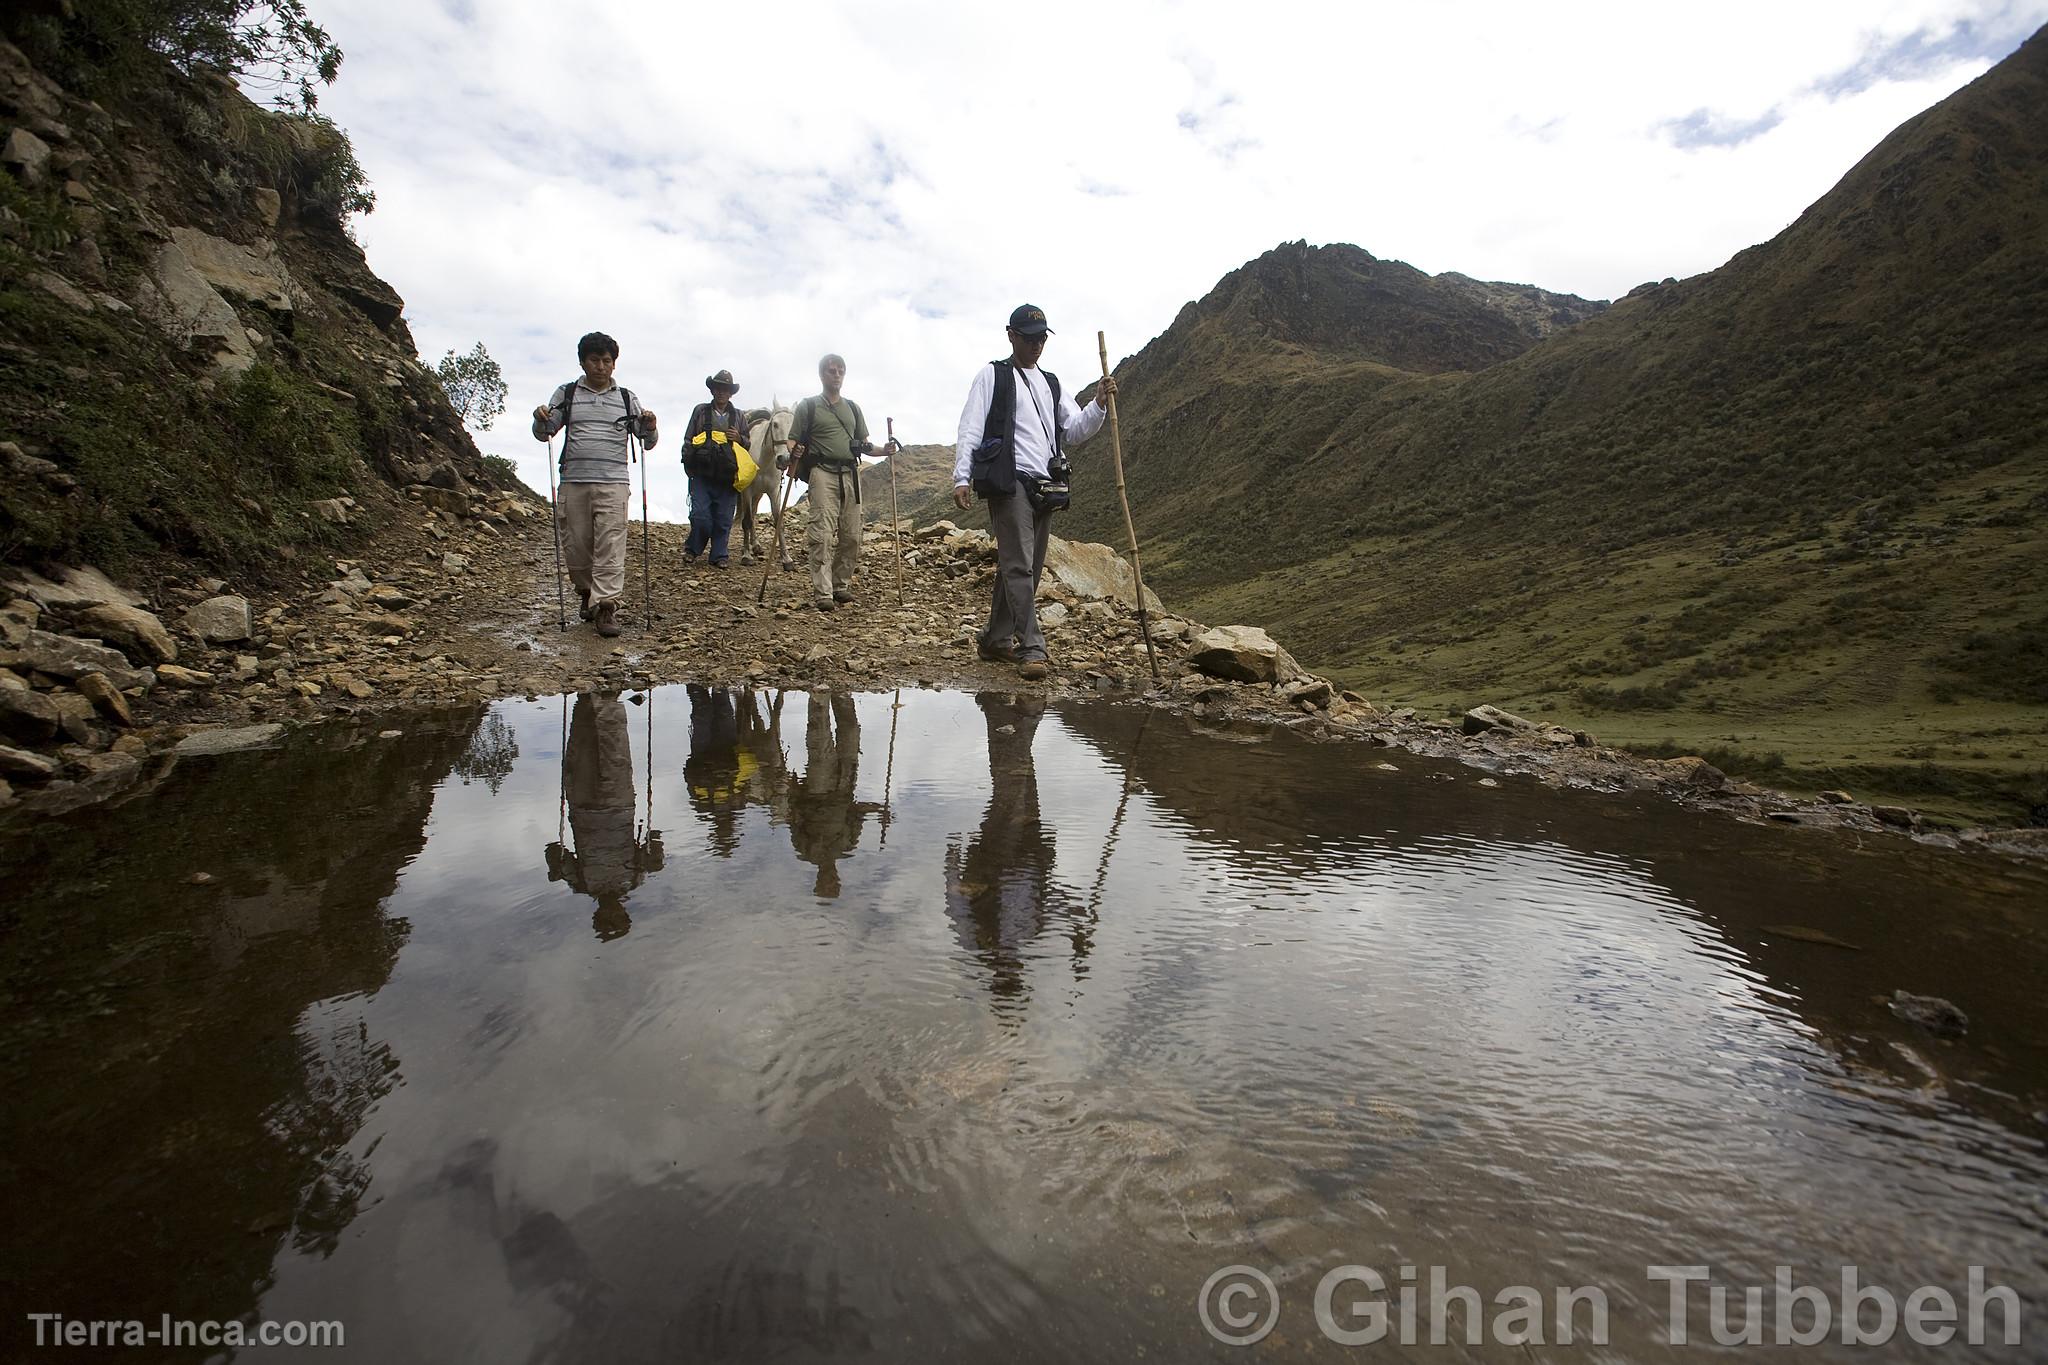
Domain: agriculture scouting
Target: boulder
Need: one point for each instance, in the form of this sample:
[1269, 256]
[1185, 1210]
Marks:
[1930, 1012]
[71, 588]
[455, 563]
[27, 155]
[26, 466]
[60, 656]
[267, 203]
[1089, 570]
[180, 301]
[1242, 654]
[20, 763]
[227, 740]
[17, 619]
[252, 274]
[1315, 691]
[370, 296]
[80, 719]
[107, 698]
[138, 633]
[330, 510]
[171, 675]
[1689, 771]
[221, 620]
[452, 501]
[64, 291]
[27, 717]
[1480, 719]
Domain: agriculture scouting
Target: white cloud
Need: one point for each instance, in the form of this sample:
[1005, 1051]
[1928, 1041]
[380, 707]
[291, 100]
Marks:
[749, 187]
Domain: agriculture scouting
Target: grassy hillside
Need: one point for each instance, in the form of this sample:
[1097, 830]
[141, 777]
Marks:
[1789, 512]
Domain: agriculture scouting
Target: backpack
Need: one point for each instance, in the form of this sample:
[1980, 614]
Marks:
[569, 402]
[994, 462]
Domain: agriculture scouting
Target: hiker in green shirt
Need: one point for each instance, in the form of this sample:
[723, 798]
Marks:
[827, 438]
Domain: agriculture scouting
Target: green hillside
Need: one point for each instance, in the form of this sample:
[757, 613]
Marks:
[1788, 512]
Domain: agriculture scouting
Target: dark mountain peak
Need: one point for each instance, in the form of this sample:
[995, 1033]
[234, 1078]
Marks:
[1341, 304]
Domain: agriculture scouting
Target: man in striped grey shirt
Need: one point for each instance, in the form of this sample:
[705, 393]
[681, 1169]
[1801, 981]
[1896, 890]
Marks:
[596, 476]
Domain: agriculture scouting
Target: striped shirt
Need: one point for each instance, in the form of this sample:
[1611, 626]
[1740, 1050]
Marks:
[595, 449]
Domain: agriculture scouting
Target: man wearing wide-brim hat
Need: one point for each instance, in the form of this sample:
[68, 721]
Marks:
[1011, 451]
[716, 430]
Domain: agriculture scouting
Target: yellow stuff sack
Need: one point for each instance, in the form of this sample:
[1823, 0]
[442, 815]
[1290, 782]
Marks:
[744, 468]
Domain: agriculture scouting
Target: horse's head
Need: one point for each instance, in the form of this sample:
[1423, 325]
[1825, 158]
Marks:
[780, 422]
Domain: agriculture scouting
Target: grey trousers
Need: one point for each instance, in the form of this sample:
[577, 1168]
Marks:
[1021, 532]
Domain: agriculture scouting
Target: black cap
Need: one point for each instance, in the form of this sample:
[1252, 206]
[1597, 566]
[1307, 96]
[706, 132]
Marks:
[1029, 319]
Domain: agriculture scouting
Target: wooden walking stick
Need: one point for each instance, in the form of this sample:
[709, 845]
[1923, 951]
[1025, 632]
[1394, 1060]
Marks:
[1116, 453]
[784, 484]
[895, 522]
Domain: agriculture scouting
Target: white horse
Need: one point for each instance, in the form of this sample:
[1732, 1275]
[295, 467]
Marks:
[767, 430]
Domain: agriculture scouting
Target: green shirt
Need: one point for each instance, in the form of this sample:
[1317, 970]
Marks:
[829, 432]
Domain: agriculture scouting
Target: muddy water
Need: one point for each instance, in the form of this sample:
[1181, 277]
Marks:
[715, 1026]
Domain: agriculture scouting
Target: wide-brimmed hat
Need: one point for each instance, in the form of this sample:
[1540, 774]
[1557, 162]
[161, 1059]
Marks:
[723, 379]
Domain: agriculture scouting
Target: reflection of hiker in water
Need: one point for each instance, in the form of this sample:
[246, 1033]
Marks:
[718, 770]
[824, 819]
[609, 859]
[999, 889]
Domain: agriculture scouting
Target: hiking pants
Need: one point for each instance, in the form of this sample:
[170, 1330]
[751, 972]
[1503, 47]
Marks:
[835, 530]
[711, 507]
[1021, 532]
[594, 537]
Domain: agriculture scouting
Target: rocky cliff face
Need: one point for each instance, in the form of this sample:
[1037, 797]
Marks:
[197, 365]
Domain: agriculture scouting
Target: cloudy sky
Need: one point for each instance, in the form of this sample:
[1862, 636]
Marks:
[748, 186]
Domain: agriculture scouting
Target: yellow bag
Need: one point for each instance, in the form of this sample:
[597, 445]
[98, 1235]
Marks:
[744, 468]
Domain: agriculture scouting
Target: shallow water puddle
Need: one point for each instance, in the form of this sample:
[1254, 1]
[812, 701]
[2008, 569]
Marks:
[710, 1024]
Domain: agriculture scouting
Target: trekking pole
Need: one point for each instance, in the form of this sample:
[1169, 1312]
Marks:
[555, 516]
[895, 522]
[646, 540]
[1116, 453]
[786, 482]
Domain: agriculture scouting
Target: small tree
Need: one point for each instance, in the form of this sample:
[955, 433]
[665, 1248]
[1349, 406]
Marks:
[475, 386]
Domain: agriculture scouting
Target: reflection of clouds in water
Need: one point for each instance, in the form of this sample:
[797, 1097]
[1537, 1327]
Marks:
[1487, 1045]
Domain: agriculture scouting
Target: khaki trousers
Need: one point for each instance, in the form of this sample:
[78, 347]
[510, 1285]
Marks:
[835, 531]
[594, 520]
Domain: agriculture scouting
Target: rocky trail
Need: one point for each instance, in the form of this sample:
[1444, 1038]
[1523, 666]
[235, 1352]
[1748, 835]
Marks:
[102, 692]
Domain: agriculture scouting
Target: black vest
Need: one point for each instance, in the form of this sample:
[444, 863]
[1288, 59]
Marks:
[994, 467]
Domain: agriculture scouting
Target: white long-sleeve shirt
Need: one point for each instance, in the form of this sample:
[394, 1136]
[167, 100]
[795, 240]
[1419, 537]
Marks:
[1035, 416]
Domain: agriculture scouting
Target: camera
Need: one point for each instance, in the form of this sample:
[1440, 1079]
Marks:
[1052, 492]
[860, 448]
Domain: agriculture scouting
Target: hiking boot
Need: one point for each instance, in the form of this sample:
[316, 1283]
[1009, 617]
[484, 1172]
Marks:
[721, 563]
[995, 654]
[825, 604]
[608, 619]
[841, 595]
[583, 607]
[1032, 670]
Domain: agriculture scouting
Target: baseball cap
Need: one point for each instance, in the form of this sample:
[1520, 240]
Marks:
[1030, 320]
